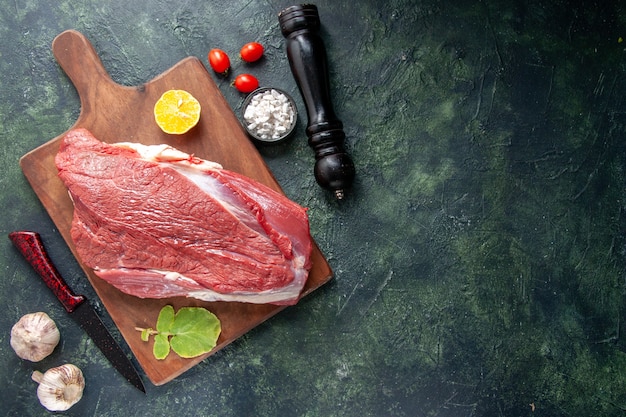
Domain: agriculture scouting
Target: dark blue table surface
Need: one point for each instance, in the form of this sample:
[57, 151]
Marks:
[479, 258]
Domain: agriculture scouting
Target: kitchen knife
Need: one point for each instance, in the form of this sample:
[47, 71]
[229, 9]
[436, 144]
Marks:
[31, 246]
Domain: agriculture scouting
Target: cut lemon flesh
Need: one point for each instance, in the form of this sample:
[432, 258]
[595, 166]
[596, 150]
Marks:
[176, 112]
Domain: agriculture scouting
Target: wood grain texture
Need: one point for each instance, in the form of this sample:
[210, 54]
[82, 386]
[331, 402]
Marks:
[115, 113]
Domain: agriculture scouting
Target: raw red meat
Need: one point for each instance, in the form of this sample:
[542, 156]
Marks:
[156, 222]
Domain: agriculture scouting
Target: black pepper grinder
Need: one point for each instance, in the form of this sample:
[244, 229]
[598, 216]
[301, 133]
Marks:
[334, 169]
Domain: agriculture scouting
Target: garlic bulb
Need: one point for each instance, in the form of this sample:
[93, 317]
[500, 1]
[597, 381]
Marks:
[60, 387]
[34, 336]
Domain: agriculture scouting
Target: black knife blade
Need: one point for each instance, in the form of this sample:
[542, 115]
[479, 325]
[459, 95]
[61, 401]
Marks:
[31, 246]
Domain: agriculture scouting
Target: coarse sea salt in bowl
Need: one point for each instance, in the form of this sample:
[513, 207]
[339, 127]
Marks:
[269, 115]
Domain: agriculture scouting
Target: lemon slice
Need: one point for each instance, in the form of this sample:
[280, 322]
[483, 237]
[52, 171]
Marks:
[176, 112]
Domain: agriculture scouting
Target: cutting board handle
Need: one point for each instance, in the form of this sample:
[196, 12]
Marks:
[80, 61]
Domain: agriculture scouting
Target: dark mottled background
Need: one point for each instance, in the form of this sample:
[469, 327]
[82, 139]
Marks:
[479, 259]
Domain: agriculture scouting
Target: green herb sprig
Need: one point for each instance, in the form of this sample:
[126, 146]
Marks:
[190, 332]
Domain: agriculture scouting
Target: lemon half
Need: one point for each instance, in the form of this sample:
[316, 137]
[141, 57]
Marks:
[176, 112]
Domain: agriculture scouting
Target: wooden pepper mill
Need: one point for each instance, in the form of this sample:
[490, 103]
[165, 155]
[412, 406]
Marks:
[334, 169]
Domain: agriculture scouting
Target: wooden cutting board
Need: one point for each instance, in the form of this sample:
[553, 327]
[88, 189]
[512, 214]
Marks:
[115, 113]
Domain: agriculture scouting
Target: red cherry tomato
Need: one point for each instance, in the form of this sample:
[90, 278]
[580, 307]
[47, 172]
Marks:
[219, 61]
[251, 52]
[246, 83]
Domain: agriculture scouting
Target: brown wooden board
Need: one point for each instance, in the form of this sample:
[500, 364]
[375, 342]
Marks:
[115, 113]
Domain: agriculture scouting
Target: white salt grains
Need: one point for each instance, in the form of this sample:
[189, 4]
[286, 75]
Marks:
[269, 115]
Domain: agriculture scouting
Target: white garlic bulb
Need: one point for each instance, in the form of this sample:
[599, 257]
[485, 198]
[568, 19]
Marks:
[60, 387]
[34, 336]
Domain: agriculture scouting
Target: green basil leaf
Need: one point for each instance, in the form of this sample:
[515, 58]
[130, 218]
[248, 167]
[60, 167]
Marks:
[195, 332]
[161, 346]
[145, 334]
[166, 319]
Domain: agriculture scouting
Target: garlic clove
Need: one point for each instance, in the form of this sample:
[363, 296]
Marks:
[60, 387]
[34, 336]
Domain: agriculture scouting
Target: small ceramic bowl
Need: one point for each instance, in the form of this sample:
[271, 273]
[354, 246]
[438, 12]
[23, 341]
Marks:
[269, 115]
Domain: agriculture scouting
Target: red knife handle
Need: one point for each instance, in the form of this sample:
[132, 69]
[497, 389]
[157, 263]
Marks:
[30, 245]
